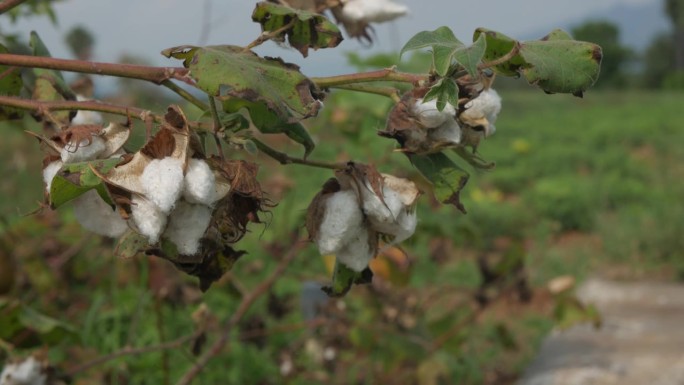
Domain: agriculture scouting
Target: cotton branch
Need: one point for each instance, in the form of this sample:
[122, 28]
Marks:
[72, 105]
[155, 75]
[285, 159]
[240, 312]
[387, 74]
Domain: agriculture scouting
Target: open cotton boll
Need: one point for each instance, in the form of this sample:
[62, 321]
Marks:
[429, 116]
[405, 226]
[341, 221]
[380, 213]
[49, 173]
[97, 216]
[84, 151]
[148, 218]
[86, 117]
[357, 253]
[447, 133]
[199, 185]
[377, 11]
[162, 182]
[187, 224]
[26, 372]
[487, 105]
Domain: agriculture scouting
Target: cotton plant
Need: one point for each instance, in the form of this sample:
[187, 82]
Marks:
[357, 208]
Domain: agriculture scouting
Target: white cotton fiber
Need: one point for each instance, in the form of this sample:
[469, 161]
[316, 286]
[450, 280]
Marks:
[429, 116]
[84, 151]
[341, 221]
[199, 185]
[148, 218]
[162, 182]
[487, 105]
[446, 134]
[187, 224]
[379, 212]
[97, 216]
[86, 117]
[377, 11]
[26, 372]
[357, 253]
[49, 173]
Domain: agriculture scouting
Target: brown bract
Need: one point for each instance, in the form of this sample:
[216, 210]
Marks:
[316, 210]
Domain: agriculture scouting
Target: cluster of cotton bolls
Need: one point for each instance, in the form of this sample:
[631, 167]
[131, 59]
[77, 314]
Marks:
[29, 371]
[445, 128]
[172, 196]
[347, 219]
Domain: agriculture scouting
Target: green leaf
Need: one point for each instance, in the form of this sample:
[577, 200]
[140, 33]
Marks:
[445, 91]
[471, 56]
[344, 278]
[447, 178]
[498, 45]
[76, 179]
[26, 328]
[561, 65]
[443, 42]
[233, 72]
[269, 123]
[10, 85]
[50, 330]
[303, 29]
[556, 63]
[49, 84]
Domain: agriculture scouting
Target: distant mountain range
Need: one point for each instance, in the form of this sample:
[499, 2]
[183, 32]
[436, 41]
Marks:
[638, 23]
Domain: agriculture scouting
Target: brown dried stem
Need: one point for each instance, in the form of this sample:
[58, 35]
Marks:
[240, 312]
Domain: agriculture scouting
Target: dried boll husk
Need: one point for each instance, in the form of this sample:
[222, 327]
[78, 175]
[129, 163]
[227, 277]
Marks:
[97, 216]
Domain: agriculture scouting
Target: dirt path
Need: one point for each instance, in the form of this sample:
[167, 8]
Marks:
[641, 341]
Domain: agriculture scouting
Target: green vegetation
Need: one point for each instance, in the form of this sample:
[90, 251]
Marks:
[589, 185]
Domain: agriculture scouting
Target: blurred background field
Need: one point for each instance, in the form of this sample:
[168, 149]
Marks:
[582, 188]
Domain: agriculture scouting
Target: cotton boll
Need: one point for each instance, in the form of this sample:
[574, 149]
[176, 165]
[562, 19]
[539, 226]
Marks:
[373, 10]
[487, 105]
[357, 253]
[382, 212]
[84, 151]
[341, 221]
[199, 185]
[49, 173]
[148, 218]
[447, 133]
[86, 117]
[187, 224]
[26, 372]
[429, 116]
[97, 216]
[162, 182]
[406, 226]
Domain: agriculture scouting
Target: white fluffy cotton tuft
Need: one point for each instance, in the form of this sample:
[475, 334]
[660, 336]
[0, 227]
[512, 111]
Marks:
[199, 185]
[488, 105]
[148, 218]
[86, 117]
[429, 116]
[187, 224]
[26, 372]
[376, 11]
[49, 173]
[357, 253]
[97, 216]
[162, 182]
[448, 133]
[84, 151]
[341, 221]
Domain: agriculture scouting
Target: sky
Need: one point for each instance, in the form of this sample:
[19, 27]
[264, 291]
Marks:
[144, 28]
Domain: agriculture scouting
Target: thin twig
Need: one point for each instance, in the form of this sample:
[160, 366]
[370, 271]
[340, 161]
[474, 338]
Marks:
[239, 313]
[9, 4]
[185, 94]
[90, 105]
[155, 75]
[130, 351]
[285, 159]
[387, 74]
[390, 92]
[265, 36]
[217, 125]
